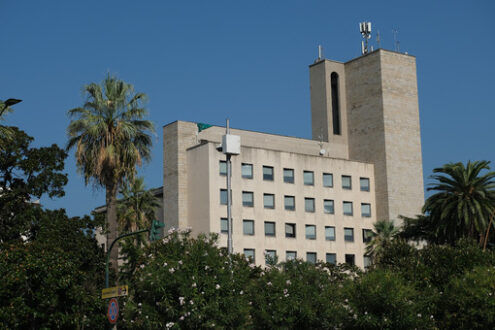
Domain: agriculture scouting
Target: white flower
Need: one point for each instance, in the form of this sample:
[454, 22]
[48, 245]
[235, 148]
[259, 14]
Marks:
[165, 264]
[202, 292]
[150, 255]
[171, 270]
[139, 305]
[252, 265]
[241, 293]
[288, 282]
[165, 240]
[146, 316]
[206, 267]
[250, 303]
[180, 262]
[217, 286]
[169, 325]
[262, 273]
[194, 285]
[419, 314]
[269, 283]
[181, 318]
[142, 266]
[181, 301]
[170, 231]
[191, 302]
[285, 291]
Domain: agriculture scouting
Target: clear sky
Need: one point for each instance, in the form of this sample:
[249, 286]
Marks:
[204, 61]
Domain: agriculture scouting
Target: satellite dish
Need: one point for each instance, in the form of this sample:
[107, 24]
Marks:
[322, 151]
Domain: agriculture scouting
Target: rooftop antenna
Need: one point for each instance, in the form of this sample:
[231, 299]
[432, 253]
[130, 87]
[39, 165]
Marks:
[396, 40]
[365, 29]
[378, 38]
[320, 52]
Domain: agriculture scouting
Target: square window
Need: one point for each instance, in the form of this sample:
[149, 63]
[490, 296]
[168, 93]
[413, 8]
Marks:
[290, 255]
[249, 254]
[367, 262]
[309, 178]
[311, 257]
[223, 167]
[288, 175]
[247, 199]
[269, 201]
[290, 230]
[349, 259]
[364, 183]
[365, 210]
[367, 235]
[248, 227]
[347, 208]
[330, 233]
[270, 257]
[328, 206]
[224, 225]
[309, 204]
[267, 173]
[247, 171]
[223, 196]
[327, 180]
[289, 203]
[269, 228]
[331, 258]
[346, 182]
[310, 232]
[348, 234]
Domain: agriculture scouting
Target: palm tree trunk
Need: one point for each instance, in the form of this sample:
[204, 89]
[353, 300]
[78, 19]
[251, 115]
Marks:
[111, 199]
[488, 231]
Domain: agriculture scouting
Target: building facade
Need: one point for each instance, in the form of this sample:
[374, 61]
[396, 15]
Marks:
[311, 199]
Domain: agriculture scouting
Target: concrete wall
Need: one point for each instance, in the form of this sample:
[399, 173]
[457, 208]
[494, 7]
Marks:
[384, 128]
[279, 160]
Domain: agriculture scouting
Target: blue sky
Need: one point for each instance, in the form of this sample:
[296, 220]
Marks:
[204, 61]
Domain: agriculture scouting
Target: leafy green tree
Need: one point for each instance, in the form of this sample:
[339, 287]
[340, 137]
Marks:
[53, 280]
[469, 300]
[382, 236]
[463, 202]
[26, 174]
[298, 295]
[110, 137]
[381, 299]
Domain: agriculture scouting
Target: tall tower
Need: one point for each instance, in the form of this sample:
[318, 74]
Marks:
[378, 102]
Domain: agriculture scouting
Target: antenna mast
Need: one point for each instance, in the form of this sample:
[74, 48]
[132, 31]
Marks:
[396, 40]
[365, 29]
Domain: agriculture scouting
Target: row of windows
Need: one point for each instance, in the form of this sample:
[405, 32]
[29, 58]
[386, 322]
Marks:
[288, 173]
[290, 230]
[312, 257]
[290, 203]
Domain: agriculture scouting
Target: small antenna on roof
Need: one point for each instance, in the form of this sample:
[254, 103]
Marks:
[320, 52]
[396, 40]
[365, 29]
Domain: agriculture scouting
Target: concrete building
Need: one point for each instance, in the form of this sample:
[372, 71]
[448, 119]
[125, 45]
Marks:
[311, 199]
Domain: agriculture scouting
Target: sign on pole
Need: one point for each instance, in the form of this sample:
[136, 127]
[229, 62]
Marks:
[113, 311]
[116, 291]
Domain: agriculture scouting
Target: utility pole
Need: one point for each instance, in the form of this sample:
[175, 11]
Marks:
[231, 145]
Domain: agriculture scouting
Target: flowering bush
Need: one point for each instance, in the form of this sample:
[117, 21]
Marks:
[187, 283]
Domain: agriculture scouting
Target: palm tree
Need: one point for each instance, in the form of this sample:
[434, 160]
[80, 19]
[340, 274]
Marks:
[110, 138]
[382, 236]
[6, 133]
[137, 207]
[464, 201]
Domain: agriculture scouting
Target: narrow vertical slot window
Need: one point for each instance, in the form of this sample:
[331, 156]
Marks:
[334, 82]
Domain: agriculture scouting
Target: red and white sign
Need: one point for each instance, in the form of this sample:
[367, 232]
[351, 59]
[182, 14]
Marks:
[113, 311]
